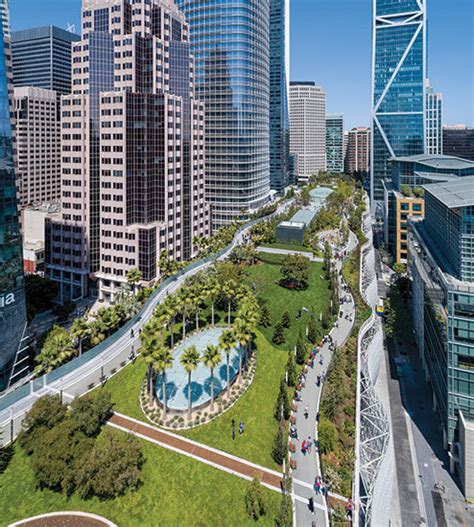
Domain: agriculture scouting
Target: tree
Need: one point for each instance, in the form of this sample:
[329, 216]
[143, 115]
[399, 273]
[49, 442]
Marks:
[265, 317]
[6, 454]
[327, 435]
[278, 334]
[57, 349]
[399, 268]
[40, 293]
[313, 328]
[282, 408]
[227, 343]
[162, 360]
[285, 513]
[213, 292]
[134, 277]
[327, 258]
[112, 467]
[211, 359]
[255, 499]
[80, 330]
[286, 320]
[280, 445]
[243, 335]
[90, 413]
[150, 343]
[291, 369]
[301, 349]
[295, 271]
[190, 361]
[97, 332]
[109, 319]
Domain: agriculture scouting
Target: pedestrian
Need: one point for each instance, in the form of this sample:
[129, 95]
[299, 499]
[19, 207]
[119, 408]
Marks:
[309, 442]
[232, 425]
[311, 505]
[132, 334]
[306, 412]
[241, 428]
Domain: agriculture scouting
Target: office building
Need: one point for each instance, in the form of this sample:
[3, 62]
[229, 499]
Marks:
[434, 121]
[358, 151]
[38, 145]
[404, 196]
[398, 83]
[5, 17]
[132, 150]
[458, 140]
[307, 128]
[42, 58]
[13, 357]
[280, 176]
[231, 45]
[335, 143]
[442, 301]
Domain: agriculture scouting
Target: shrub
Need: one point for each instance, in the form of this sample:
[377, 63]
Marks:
[286, 320]
[278, 334]
[282, 408]
[89, 413]
[280, 445]
[254, 500]
[327, 435]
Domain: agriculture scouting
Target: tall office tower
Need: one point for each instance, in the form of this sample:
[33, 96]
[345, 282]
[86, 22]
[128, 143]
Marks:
[42, 58]
[38, 145]
[133, 150]
[5, 17]
[358, 151]
[280, 176]
[231, 43]
[398, 82]
[335, 142]
[13, 357]
[345, 147]
[458, 140]
[441, 267]
[434, 121]
[307, 128]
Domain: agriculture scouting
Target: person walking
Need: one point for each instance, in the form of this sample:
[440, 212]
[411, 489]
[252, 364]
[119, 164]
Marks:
[306, 412]
[232, 425]
[311, 505]
[241, 428]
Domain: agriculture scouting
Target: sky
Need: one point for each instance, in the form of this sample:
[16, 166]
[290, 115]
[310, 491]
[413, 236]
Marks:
[331, 45]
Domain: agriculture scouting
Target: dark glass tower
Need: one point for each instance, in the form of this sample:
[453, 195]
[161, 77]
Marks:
[279, 87]
[398, 85]
[13, 361]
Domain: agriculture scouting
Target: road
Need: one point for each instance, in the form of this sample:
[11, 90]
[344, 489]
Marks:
[272, 250]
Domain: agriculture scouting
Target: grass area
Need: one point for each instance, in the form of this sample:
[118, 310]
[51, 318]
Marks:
[255, 408]
[288, 246]
[266, 276]
[176, 491]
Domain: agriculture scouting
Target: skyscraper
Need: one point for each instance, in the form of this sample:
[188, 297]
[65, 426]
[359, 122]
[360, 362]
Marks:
[13, 359]
[133, 150]
[231, 44]
[335, 142]
[434, 121]
[398, 81]
[38, 145]
[358, 151]
[307, 128]
[42, 58]
[279, 93]
[5, 17]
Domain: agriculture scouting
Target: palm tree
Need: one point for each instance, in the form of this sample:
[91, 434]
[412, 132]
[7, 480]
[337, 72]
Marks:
[227, 343]
[212, 358]
[98, 332]
[150, 343]
[189, 361]
[134, 277]
[213, 291]
[79, 331]
[162, 360]
[229, 293]
[57, 349]
[242, 334]
[109, 319]
[186, 306]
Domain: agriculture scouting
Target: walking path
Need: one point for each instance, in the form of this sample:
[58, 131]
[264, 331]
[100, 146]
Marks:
[272, 250]
[308, 465]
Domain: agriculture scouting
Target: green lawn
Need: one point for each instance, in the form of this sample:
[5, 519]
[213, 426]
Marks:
[279, 299]
[176, 491]
[255, 408]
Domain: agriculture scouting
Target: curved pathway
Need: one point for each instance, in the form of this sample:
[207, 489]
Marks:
[65, 519]
[308, 466]
[115, 355]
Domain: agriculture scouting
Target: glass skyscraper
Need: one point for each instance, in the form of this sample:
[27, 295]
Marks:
[231, 45]
[280, 176]
[398, 85]
[13, 361]
[335, 142]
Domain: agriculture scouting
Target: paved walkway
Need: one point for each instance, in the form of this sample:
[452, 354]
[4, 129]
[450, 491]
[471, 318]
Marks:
[272, 250]
[308, 466]
[65, 519]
